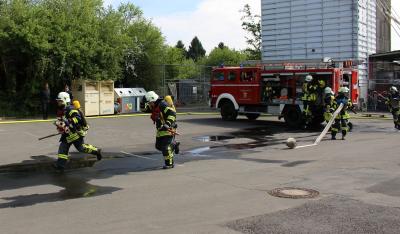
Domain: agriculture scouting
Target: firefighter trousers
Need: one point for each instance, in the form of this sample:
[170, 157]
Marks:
[79, 144]
[340, 124]
[165, 145]
[396, 121]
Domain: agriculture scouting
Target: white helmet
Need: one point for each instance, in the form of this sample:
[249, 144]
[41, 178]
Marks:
[393, 89]
[328, 90]
[64, 97]
[151, 96]
[309, 78]
[344, 90]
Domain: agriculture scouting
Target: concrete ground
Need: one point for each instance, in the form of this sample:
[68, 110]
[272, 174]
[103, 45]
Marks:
[220, 184]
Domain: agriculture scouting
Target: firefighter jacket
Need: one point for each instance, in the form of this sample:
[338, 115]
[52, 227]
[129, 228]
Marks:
[309, 92]
[166, 121]
[393, 102]
[330, 106]
[347, 105]
[76, 123]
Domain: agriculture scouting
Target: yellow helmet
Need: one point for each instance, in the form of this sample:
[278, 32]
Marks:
[76, 104]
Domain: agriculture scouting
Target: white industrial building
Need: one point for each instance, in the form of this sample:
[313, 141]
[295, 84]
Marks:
[314, 29]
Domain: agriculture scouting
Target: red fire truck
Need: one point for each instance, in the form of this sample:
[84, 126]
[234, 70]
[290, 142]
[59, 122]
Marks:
[276, 89]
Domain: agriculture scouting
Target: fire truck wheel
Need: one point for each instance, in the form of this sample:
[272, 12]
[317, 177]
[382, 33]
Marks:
[252, 116]
[228, 111]
[293, 116]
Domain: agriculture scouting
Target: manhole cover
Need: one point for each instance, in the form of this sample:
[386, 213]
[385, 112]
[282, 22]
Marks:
[293, 193]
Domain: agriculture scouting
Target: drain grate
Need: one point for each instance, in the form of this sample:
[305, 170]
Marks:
[294, 193]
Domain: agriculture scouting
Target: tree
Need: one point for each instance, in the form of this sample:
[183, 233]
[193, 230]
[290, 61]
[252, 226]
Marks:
[181, 46]
[252, 25]
[173, 59]
[58, 41]
[225, 56]
[196, 50]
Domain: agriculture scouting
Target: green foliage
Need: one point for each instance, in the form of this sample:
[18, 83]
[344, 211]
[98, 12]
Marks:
[252, 25]
[61, 40]
[225, 56]
[181, 46]
[196, 50]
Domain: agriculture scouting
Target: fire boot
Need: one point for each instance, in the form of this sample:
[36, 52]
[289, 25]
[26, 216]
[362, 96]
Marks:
[169, 164]
[98, 154]
[343, 134]
[60, 164]
[176, 147]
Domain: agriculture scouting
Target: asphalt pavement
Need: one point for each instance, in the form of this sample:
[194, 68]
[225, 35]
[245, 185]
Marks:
[220, 183]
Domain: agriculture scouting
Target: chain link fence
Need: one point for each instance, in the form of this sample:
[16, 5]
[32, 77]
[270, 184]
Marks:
[382, 75]
[188, 84]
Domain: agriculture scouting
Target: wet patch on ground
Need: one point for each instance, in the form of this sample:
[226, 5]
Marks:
[43, 163]
[390, 188]
[213, 138]
[71, 187]
[296, 163]
[330, 215]
[73, 182]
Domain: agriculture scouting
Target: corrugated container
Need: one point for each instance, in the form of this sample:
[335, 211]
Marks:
[106, 97]
[87, 93]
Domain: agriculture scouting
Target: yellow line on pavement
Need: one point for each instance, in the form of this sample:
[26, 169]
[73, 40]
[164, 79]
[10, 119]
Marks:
[102, 117]
[142, 114]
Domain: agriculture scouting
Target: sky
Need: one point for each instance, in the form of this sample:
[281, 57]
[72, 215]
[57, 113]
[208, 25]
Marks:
[212, 21]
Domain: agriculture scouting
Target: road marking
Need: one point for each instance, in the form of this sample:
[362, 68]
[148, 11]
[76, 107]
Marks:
[138, 156]
[106, 117]
[304, 146]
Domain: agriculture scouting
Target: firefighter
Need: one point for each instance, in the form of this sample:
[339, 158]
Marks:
[393, 103]
[329, 103]
[73, 129]
[342, 119]
[321, 92]
[309, 98]
[268, 92]
[164, 118]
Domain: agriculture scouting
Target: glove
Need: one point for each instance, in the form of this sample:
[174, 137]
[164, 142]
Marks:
[64, 129]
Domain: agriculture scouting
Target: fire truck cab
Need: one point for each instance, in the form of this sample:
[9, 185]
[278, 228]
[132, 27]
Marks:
[276, 90]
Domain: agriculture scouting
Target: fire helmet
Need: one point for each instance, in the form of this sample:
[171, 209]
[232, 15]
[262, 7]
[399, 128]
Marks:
[64, 98]
[151, 96]
[393, 89]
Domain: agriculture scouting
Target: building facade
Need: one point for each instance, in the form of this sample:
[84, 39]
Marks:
[315, 29]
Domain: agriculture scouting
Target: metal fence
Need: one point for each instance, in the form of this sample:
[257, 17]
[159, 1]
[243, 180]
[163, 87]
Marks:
[188, 84]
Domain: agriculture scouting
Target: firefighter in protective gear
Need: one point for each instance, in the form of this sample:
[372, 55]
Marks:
[342, 119]
[393, 103]
[309, 98]
[164, 117]
[73, 128]
[329, 103]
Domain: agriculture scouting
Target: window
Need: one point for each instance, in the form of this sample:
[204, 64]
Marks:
[232, 76]
[247, 76]
[219, 76]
